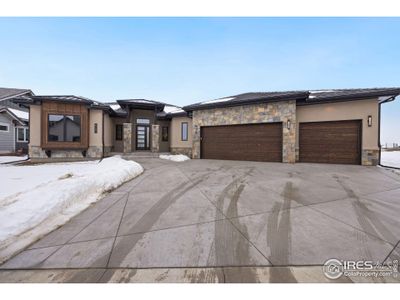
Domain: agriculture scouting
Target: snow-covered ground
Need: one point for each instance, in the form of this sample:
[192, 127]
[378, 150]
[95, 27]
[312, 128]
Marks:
[390, 158]
[176, 158]
[35, 200]
[6, 159]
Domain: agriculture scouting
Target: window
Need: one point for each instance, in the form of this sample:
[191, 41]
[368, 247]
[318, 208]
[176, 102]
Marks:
[4, 127]
[184, 131]
[22, 134]
[142, 121]
[118, 132]
[64, 128]
[95, 127]
[164, 134]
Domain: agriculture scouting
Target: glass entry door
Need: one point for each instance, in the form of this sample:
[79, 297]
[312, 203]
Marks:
[142, 137]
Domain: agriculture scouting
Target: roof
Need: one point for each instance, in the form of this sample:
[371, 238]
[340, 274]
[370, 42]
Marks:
[248, 98]
[11, 113]
[141, 103]
[351, 94]
[302, 97]
[7, 93]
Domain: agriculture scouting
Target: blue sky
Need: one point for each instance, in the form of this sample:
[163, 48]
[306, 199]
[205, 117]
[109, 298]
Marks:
[185, 60]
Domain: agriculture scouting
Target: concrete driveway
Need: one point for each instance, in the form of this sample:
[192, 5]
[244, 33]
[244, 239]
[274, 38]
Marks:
[214, 218]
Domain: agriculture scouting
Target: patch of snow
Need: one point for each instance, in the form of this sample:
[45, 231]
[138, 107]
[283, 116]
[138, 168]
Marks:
[390, 158]
[24, 115]
[6, 159]
[176, 158]
[172, 109]
[218, 100]
[115, 107]
[321, 91]
[34, 200]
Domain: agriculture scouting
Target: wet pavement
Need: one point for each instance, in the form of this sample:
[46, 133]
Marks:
[222, 221]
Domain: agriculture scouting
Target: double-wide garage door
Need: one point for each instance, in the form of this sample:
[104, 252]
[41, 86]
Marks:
[253, 142]
[336, 142]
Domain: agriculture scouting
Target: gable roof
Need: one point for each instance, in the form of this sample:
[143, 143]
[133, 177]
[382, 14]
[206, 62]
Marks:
[12, 115]
[8, 93]
[301, 97]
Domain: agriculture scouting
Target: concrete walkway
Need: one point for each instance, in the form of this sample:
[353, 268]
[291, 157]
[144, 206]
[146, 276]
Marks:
[206, 220]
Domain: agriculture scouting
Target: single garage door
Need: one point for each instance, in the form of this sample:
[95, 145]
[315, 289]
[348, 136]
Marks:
[254, 142]
[330, 142]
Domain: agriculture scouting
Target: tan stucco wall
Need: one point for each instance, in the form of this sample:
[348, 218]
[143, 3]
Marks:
[34, 125]
[96, 116]
[108, 131]
[352, 110]
[175, 133]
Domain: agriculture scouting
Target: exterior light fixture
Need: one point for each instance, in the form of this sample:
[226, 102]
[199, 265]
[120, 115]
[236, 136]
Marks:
[288, 124]
[369, 121]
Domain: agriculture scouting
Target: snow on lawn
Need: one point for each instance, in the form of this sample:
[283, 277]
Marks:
[35, 200]
[6, 159]
[390, 158]
[176, 158]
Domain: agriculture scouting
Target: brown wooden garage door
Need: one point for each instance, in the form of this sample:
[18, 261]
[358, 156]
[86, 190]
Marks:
[330, 142]
[254, 142]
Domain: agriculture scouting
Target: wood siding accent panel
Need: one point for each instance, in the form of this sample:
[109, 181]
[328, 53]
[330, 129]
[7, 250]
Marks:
[249, 142]
[337, 142]
[65, 108]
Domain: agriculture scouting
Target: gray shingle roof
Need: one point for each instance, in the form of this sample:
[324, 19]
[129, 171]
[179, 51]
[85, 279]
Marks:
[320, 95]
[6, 93]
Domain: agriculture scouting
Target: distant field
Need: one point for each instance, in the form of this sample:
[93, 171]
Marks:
[391, 158]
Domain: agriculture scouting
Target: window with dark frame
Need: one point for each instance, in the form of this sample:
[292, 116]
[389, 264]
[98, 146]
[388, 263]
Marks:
[118, 132]
[95, 127]
[4, 127]
[64, 128]
[184, 131]
[164, 134]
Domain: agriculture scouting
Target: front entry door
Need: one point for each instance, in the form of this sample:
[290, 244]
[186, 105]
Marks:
[142, 137]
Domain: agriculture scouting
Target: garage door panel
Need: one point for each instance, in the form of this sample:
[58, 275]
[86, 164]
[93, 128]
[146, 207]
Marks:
[253, 142]
[330, 142]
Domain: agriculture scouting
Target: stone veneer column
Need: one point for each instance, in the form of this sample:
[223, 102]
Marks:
[282, 111]
[155, 138]
[127, 137]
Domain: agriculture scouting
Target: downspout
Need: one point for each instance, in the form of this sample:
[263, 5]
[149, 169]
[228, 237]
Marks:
[379, 131]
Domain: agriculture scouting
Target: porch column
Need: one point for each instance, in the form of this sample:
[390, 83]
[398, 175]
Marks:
[127, 134]
[155, 138]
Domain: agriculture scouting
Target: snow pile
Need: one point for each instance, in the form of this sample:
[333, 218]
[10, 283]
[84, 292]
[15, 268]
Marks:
[24, 115]
[7, 159]
[176, 158]
[390, 158]
[217, 100]
[35, 200]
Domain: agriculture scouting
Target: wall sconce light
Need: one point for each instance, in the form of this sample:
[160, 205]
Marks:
[369, 121]
[288, 124]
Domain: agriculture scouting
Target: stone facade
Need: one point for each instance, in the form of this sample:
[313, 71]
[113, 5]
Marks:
[181, 150]
[155, 138]
[370, 157]
[95, 152]
[36, 153]
[282, 111]
[127, 137]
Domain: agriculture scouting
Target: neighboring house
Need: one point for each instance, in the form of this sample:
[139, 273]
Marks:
[14, 130]
[14, 120]
[328, 126]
